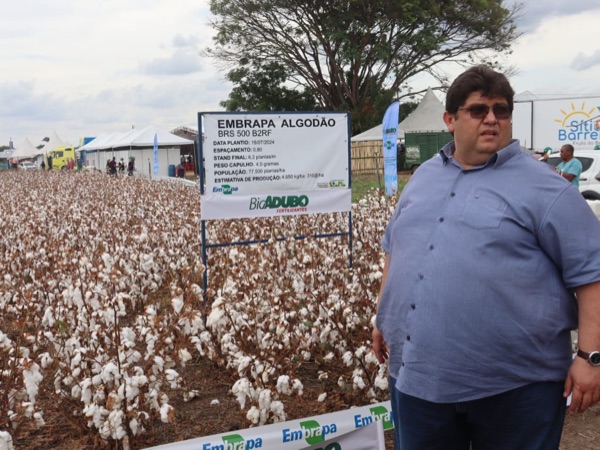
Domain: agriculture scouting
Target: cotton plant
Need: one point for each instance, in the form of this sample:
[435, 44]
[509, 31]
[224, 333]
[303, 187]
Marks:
[115, 310]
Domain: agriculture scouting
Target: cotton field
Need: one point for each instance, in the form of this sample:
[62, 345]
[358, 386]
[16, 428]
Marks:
[102, 302]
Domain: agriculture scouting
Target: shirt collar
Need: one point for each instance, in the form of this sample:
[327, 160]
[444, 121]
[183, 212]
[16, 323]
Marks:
[497, 159]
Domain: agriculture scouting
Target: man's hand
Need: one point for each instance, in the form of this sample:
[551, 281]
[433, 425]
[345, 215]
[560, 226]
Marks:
[381, 349]
[583, 381]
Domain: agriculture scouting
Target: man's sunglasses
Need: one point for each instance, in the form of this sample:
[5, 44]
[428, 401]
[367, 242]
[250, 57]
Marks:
[480, 111]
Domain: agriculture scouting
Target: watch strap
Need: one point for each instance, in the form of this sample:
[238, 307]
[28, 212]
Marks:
[582, 354]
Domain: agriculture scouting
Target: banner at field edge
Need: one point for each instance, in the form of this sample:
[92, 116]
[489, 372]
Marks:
[390, 148]
[359, 428]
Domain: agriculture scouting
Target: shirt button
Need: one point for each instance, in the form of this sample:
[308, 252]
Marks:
[413, 306]
[441, 219]
[431, 247]
[421, 276]
[452, 194]
[408, 338]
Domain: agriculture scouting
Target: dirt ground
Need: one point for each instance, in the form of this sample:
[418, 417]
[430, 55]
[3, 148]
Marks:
[198, 418]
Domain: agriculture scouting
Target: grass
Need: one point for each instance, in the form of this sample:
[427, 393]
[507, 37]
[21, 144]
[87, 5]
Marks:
[362, 184]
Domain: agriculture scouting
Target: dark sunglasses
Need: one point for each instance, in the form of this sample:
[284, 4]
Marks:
[480, 111]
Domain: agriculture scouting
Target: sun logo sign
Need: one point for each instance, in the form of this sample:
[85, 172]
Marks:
[577, 125]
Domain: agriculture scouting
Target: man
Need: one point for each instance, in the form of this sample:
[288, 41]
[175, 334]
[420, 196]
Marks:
[570, 167]
[478, 297]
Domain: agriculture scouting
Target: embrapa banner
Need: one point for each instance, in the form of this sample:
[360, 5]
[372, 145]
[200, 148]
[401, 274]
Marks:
[359, 428]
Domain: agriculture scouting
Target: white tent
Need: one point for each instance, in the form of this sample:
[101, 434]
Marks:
[426, 117]
[50, 143]
[139, 144]
[25, 149]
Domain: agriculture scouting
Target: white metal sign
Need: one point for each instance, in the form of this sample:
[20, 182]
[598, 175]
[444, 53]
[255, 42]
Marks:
[259, 165]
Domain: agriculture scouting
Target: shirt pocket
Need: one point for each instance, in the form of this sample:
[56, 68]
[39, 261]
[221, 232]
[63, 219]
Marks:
[483, 210]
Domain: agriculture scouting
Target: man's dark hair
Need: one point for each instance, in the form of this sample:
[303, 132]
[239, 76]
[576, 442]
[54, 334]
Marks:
[569, 148]
[478, 79]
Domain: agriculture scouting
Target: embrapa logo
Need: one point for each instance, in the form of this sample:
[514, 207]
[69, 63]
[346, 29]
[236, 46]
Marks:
[235, 442]
[274, 202]
[225, 189]
[311, 431]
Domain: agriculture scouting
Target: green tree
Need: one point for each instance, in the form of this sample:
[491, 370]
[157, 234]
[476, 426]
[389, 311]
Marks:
[355, 55]
[261, 87]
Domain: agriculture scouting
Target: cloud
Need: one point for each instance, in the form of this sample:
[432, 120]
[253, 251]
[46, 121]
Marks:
[583, 62]
[182, 62]
[535, 12]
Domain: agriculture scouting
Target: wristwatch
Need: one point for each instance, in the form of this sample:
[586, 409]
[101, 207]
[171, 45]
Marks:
[593, 357]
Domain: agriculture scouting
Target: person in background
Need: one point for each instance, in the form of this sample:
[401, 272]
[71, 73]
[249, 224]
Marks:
[546, 154]
[570, 167]
[131, 166]
[483, 281]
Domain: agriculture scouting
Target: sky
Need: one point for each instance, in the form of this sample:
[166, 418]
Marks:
[85, 68]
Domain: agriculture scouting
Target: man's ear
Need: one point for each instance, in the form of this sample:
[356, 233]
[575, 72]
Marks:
[449, 121]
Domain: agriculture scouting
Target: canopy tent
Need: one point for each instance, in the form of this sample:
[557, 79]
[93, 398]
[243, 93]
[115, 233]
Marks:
[25, 149]
[139, 144]
[135, 137]
[50, 143]
[427, 117]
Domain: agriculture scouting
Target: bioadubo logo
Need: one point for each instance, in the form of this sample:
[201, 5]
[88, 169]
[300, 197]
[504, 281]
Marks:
[275, 202]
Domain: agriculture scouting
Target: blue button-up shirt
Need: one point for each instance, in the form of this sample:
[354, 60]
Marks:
[482, 264]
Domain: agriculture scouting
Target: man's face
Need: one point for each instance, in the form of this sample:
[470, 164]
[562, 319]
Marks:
[565, 154]
[478, 135]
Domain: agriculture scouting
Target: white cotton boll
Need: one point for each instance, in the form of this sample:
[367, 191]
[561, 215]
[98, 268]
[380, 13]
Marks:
[241, 389]
[322, 397]
[306, 355]
[298, 386]
[31, 379]
[215, 402]
[45, 359]
[328, 357]
[215, 318]
[184, 356]
[381, 381]
[39, 420]
[253, 415]
[6, 441]
[173, 378]
[110, 372]
[347, 358]
[360, 351]
[177, 303]
[278, 411]
[48, 319]
[283, 385]
[167, 413]
[371, 359]
[323, 375]
[76, 392]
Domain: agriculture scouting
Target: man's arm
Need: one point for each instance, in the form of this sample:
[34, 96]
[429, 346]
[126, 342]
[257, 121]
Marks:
[379, 345]
[583, 380]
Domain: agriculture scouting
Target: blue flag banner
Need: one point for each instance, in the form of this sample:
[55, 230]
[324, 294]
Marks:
[390, 145]
[155, 153]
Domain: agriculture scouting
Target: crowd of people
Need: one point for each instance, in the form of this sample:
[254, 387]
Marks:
[114, 168]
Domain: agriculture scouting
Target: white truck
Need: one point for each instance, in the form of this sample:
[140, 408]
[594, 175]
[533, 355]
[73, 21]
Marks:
[541, 123]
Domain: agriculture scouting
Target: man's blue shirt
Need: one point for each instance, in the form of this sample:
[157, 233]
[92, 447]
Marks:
[479, 293]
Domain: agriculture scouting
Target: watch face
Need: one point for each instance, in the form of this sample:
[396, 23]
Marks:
[595, 358]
